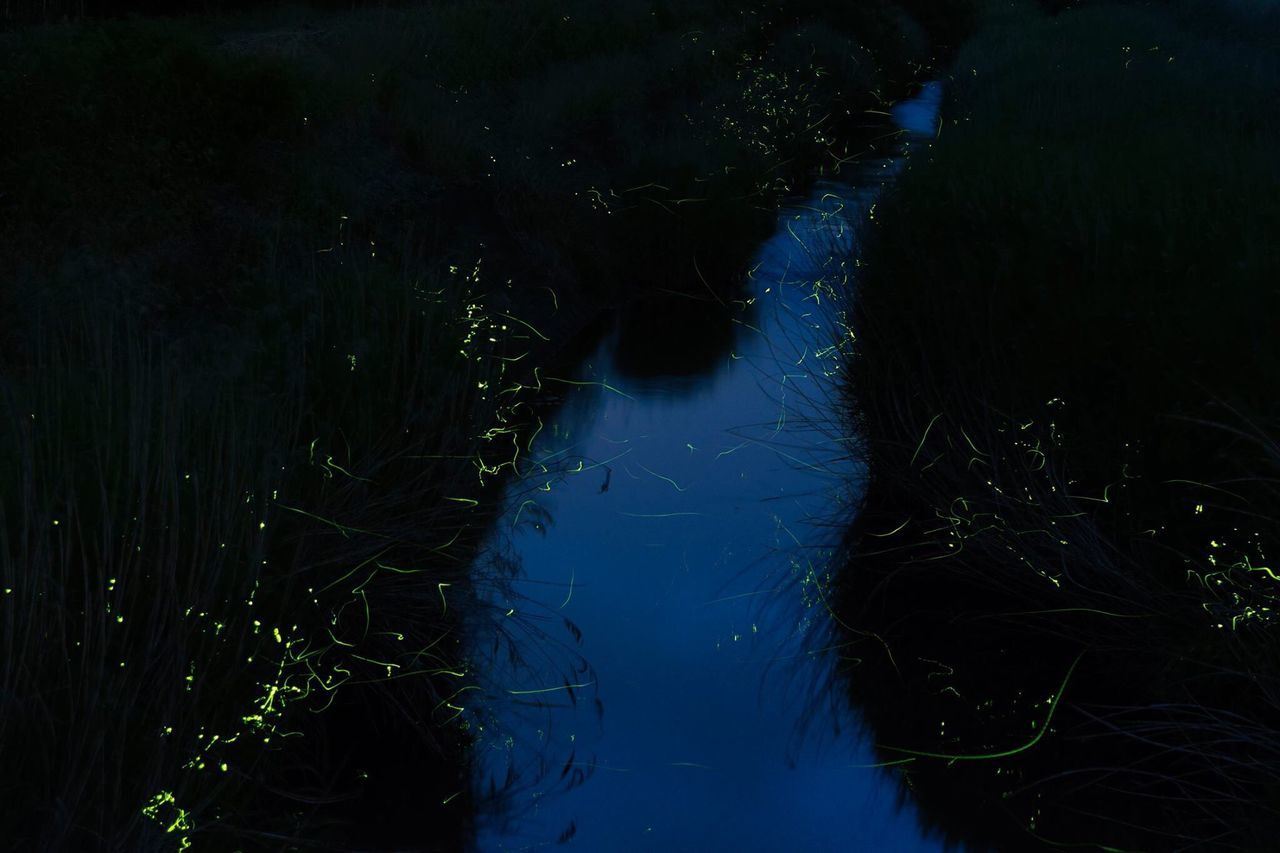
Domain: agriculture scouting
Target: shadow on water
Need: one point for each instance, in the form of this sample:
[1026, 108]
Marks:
[666, 547]
[674, 340]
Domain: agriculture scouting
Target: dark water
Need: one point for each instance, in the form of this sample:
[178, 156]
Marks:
[693, 485]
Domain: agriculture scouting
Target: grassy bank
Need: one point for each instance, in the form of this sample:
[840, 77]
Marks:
[203, 547]
[188, 149]
[276, 284]
[1059, 592]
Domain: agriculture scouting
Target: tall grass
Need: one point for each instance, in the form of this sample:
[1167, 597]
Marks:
[209, 539]
[1056, 591]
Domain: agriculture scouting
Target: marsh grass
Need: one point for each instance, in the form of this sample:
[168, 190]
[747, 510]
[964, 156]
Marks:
[209, 539]
[1041, 670]
[1058, 622]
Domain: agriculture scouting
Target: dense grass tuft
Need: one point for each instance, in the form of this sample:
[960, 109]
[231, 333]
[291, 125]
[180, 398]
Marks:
[207, 537]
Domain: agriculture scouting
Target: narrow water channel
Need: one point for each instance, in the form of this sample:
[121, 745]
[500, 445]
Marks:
[680, 552]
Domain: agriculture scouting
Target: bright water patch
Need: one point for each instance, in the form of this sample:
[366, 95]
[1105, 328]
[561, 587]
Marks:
[919, 115]
[685, 543]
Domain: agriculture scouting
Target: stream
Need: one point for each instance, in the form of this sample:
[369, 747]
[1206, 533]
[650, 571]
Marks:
[676, 547]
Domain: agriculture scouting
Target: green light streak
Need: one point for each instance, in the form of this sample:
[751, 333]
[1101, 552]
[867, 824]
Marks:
[606, 386]
[1044, 727]
[573, 573]
[341, 528]
[891, 532]
[550, 689]
[523, 323]
[676, 485]
[923, 438]
[659, 514]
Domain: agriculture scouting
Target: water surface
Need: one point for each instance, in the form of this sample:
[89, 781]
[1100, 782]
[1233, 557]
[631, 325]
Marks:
[680, 552]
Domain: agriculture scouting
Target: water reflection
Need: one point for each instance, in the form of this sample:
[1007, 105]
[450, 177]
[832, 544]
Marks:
[919, 115]
[670, 341]
[681, 550]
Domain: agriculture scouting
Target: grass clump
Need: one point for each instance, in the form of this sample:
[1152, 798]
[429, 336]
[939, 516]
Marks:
[1057, 585]
[233, 565]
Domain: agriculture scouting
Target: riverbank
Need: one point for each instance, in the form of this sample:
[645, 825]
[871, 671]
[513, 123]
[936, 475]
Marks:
[279, 281]
[1057, 590]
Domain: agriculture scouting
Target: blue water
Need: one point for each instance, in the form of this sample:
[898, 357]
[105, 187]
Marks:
[919, 115]
[704, 721]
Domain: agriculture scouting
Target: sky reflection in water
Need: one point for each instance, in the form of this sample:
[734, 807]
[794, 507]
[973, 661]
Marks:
[686, 579]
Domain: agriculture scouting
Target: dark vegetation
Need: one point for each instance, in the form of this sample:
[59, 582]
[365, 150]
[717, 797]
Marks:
[275, 284]
[1059, 603]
